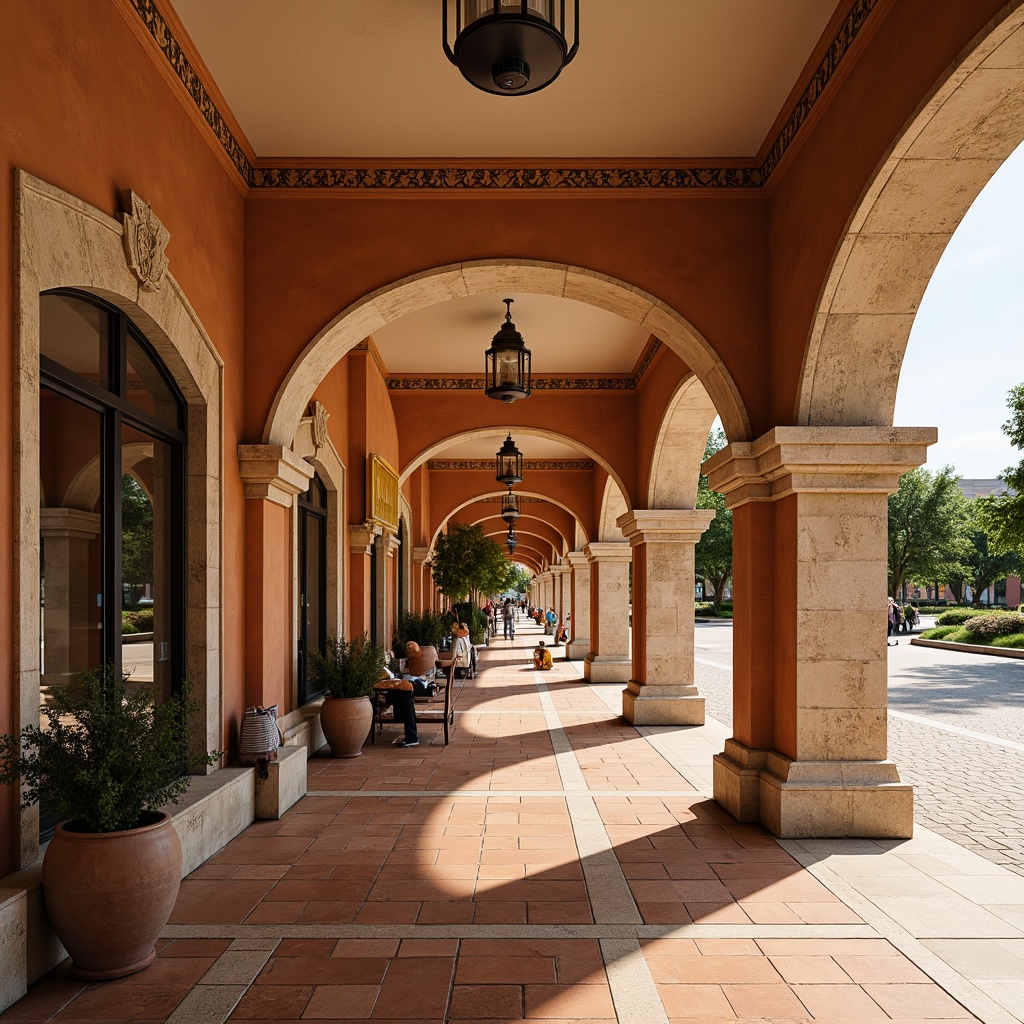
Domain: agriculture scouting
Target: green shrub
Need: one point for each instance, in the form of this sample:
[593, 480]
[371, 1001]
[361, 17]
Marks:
[939, 633]
[349, 668]
[703, 608]
[127, 628]
[140, 621]
[428, 629]
[957, 616]
[1012, 640]
[984, 628]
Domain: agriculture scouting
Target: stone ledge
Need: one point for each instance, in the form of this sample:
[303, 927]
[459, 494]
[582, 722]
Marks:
[997, 652]
[284, 785]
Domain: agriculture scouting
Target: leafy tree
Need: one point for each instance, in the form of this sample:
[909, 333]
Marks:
[980, 564]
[519, 579]
[929, 528]
[713, 554]
[1002, 516]
[467, 564]
[136, 537]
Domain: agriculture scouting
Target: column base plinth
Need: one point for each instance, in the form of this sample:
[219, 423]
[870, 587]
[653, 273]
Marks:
[814, 799]
[577, 650]
[598, 668]
[662, 705]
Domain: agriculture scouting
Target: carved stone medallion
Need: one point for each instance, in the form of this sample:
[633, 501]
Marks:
[319, 425]
[145, 239]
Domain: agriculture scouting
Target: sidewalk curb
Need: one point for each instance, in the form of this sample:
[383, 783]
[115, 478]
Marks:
[997, 652]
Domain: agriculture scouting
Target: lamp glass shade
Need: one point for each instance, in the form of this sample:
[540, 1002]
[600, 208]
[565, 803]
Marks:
[508, 463]
[507, 364]
[510, 508]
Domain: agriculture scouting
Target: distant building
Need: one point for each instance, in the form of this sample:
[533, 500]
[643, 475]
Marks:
[1005, 593]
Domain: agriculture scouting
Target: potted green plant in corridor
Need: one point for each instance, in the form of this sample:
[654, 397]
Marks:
[348, 671]
[108, 758]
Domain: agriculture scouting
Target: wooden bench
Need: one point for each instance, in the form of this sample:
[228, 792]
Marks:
[439, 708]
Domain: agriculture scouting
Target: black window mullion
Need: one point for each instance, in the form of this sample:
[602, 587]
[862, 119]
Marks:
[110, 462]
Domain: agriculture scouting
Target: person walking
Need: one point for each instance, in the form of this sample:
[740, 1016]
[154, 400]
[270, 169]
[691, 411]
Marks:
[889, 642]
[509, 618]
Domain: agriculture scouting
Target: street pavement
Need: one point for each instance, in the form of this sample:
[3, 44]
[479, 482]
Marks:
[956, 732]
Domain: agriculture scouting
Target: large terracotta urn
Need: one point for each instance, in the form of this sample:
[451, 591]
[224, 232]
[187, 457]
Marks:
[423, 663]
[109, 894]
[346, 722]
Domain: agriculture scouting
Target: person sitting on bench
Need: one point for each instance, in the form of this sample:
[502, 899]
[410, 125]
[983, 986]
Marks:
[542, 657]
[398, 695]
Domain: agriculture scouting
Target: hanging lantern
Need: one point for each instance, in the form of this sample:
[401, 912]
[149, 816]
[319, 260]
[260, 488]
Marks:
[511, 540]
[510, 47]
[510, 507]
[507, 362]
[509, 463]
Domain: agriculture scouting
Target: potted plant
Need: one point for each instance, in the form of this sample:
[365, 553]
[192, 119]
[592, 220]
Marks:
[348, 670]
[107, 759]
[428, 629]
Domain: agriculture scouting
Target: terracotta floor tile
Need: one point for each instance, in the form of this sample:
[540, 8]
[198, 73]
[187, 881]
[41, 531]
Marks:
[323, 970]
[388, 913]
[727, 947]
[429, 947]
[415, 987]
[486, 1002]
[770, 913]
[579, 1002]
[664, 913]
[760, 1001]
[310, 890]
[446, 912]
[170, 972]
[825, 913]
[305, 947]
[195, 947]
[483, 970]
[713, 970]
[109, 1002]
[716, 913]
[811, 970]
[848, 1002]
[881, 970]
[275, 913]
[500, 913]
[695, 1001]
[916, 1001]
[273, 1002]
[365, 947]
[332, 1002]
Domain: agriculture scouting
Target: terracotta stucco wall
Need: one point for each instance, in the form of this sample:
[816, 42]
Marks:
[86, 109]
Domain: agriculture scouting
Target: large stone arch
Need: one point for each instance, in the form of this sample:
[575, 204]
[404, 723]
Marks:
[959, 137]
[62, 242]
[393, 301]
[679, 450]
[613, 505]
[497, 493]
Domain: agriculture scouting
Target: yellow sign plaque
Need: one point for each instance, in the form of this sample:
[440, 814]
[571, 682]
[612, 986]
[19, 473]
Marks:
[381, 492]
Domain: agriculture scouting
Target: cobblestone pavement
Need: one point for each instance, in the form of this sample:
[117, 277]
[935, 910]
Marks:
[965, 788]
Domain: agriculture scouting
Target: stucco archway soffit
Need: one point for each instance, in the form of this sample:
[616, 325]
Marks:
[388, 304]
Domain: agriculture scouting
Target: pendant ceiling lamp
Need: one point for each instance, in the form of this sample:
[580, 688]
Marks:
[507, 362]
[508, 463]
[511, 541]
[510, 507]
[510, 47]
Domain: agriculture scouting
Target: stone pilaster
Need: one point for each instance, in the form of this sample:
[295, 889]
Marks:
[579, 606]
[809, 757]
[661, 690]
[608, 660]
[560, 586]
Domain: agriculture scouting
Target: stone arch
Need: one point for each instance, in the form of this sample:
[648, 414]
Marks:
[62, 242]
[497, 493]
[393, 301]
[961, 134]
[679, 450]
[613, 505]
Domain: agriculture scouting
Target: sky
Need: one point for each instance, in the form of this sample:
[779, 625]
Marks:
[966, 348]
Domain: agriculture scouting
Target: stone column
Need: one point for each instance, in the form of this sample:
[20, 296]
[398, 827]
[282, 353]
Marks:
[808, 757]
[579, 606]
[421, 593]
[560, 580]
[272, 476]
[661, 690]
[361, 540]
[71, 617]
[608, 660]
[544, 590]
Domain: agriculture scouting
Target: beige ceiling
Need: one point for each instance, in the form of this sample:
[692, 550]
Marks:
[563, 335]
[531, 445]
[367, 78]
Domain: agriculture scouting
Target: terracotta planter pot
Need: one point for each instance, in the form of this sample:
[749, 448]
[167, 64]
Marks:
[422, 663]
[109, 894]
[346, 723]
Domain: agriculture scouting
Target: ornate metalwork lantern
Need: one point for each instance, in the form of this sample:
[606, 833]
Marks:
[510, 507]
[507, 362]
[510, 47]
[511, 540]
[508, 463]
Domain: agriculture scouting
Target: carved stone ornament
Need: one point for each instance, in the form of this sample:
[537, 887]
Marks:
[319, 426]
[145, 239]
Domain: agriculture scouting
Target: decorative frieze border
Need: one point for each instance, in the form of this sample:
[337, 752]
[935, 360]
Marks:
[609, 383]
[534, 464]
[501, 179]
